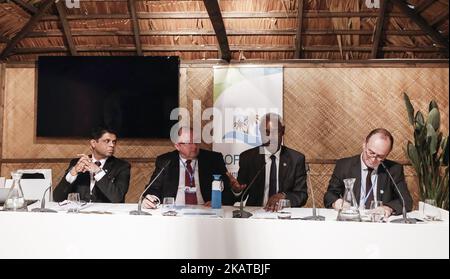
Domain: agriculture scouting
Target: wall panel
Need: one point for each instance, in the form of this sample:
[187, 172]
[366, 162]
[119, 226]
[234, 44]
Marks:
[328, 111]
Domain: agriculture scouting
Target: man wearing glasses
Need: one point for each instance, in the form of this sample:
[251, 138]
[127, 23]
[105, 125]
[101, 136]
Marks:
[188, 174]
[372, 181]
[99, 177]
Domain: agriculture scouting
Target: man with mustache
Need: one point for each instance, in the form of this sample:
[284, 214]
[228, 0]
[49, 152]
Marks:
[99, 177]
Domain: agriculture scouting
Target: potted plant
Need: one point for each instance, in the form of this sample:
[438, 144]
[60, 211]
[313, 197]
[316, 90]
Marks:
[429, 153]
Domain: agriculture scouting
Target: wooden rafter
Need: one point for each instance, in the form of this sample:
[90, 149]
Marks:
[135, 23]
[421, 22]
[26, 6]
[440, 18]
[234, 48]
[3, 39]
[26, 29]
[204, 32]
[215, 15]
[423, 6]
[225, 15]
[379, 28]
[66, 28]
[298, 37]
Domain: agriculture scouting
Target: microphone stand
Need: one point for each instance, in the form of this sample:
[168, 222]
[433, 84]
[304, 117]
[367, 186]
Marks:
[139, 209]
[314, 216]
[404, 219]
[42, 208]
[241, 213]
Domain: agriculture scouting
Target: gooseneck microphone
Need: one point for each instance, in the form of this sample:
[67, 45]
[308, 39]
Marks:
[314, 216]
[139, 209]
[240, 213]
[42, 208]
[404, 219]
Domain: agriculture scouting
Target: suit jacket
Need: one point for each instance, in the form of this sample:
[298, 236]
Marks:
[209, 163]
[351, 167]
[111, 188]
[291, 176]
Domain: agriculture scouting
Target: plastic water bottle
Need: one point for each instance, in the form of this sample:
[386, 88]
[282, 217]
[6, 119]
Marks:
[216, 191]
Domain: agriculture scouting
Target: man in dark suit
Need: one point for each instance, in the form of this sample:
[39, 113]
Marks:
[100, 177]
[280, 171]
[372, 181]
[189, 174]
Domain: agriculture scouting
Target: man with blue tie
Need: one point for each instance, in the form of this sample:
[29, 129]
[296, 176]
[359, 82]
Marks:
[279, 171]
[372, 180]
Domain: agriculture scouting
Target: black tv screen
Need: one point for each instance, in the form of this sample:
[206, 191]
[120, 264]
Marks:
[132, 95]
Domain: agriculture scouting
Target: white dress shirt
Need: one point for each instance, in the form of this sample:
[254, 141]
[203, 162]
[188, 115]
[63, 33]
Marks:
[374, 177]
[267, 155]
[179, 200]
[94, 178]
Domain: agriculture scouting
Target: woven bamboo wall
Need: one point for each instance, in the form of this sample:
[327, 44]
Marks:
[328, 112]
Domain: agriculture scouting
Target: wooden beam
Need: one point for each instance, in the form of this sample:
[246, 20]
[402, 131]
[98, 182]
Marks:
[66, 28]
[225, 15]
[420, 21]
[26, 6]
[2, 106]
[26, 29]
[215, 15]
[379, 28]
[204, 32]
[135, 24]
[298, 37]
[3, 39]
[423, 6]
[291, 63]
[369, 49]
[440, 18]
[235, 48]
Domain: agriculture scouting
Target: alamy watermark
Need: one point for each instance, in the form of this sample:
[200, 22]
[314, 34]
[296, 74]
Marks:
[227, 125]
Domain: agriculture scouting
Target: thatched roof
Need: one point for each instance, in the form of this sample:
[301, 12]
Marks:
[227, 29]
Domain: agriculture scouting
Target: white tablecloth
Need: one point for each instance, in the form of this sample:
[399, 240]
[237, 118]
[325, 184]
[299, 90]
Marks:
[108, 231]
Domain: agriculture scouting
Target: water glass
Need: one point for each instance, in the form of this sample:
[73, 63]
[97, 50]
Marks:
[73, 205]
[376, 211]
[168, 207]
[284, 209]
[430, 211]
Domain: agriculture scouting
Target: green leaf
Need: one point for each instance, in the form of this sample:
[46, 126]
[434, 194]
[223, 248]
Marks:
[409, 108]
[432, 105]
[413, 155]
[419, 119]
[444, 146]
[434, 118]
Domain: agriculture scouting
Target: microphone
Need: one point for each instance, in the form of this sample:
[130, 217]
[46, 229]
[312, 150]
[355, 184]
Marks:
[240, 213]
[42, 208]
[314, 216]
[404, 219]
[139, 209]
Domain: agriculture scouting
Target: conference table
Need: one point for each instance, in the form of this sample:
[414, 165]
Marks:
[108, 231]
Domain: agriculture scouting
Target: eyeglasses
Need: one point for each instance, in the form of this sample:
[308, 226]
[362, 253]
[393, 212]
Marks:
[374, 155]
[188, 143]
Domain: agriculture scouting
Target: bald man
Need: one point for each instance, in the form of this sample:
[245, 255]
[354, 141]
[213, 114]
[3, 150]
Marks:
[372, 181]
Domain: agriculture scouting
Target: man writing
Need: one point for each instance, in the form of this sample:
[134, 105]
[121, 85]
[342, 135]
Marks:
[372, 181]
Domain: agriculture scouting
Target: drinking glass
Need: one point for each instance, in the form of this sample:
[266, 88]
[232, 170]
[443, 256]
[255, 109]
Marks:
[284, 209]
[376, 211]
[168, 207]
[74, 203]
[430, 211]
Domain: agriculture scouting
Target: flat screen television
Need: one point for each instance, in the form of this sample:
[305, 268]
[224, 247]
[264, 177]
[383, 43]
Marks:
[132, 95]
